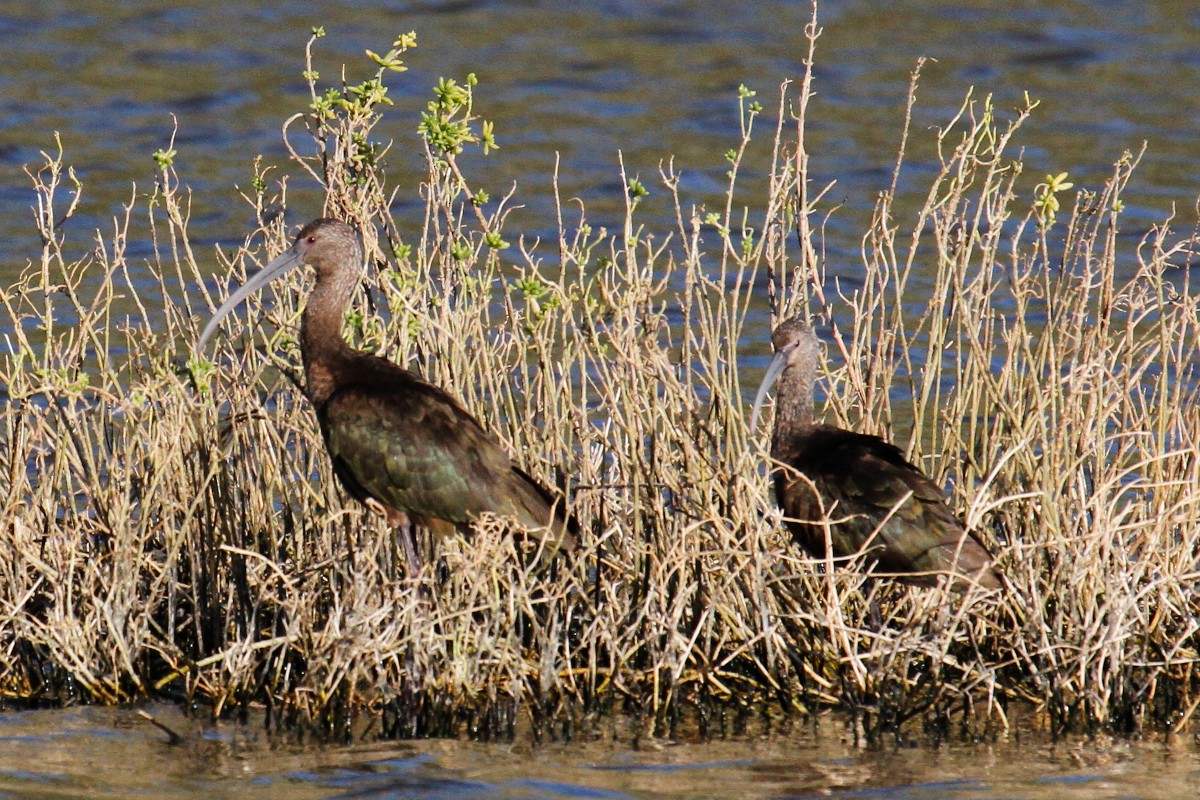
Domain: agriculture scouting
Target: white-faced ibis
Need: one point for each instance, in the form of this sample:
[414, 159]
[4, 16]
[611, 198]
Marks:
[870, 493]
[394, 438]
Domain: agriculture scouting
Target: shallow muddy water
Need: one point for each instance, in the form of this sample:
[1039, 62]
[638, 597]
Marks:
[110, 753]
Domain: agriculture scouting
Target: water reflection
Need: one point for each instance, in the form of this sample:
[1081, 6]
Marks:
[97, 753]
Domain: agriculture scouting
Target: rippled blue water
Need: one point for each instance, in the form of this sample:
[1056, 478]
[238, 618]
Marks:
[582, 82]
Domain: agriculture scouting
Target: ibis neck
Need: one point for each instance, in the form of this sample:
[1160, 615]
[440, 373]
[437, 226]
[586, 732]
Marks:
[793, 405]
[321, 342]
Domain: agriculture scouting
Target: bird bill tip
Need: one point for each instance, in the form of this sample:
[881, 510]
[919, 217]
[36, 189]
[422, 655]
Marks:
[754, 416]
[205, 335]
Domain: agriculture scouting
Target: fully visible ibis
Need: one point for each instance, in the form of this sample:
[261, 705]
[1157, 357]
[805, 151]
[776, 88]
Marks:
[858, 487]
[395, 439]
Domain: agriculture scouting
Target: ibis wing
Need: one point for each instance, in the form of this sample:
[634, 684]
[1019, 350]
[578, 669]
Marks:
[422, 452]
[871, 481]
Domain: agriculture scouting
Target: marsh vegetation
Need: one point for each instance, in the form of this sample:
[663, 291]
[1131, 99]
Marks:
[171, 527]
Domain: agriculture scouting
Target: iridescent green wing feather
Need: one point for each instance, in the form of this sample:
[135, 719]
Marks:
[870, 480]
[420, 451]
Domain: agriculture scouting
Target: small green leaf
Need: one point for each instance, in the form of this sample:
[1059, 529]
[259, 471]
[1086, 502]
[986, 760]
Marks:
[488, 137]
[202, 371]
[531, 287]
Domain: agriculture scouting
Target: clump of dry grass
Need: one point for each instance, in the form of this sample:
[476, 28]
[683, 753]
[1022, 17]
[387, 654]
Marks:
[171, 526]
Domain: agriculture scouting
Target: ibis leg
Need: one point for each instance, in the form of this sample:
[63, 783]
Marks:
[408, 537]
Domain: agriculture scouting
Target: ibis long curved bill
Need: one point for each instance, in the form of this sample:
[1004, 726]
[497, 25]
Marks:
[277, 268]
[774, 370]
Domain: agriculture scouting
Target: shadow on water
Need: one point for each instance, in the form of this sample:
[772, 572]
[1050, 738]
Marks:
[103, 753]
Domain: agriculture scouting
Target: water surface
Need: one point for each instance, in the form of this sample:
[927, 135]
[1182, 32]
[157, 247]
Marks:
[583, 82]
[102, 753]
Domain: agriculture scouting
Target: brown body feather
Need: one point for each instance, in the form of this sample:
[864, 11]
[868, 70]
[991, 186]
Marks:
[898, 514]
[410, 446]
